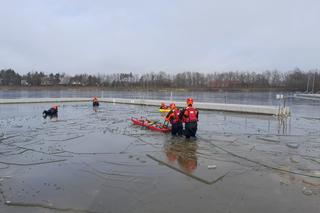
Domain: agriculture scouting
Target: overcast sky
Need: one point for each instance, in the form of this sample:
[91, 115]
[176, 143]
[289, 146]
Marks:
[75, 36]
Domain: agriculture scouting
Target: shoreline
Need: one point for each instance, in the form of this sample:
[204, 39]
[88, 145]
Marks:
[95, 88]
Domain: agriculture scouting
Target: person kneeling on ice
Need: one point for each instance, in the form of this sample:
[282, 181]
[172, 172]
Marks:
[189, 116]
[95, 101]
[52, 112]
[174, 118]
[163, 106]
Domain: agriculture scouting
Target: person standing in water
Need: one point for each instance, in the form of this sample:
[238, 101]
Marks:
[189, 116]
[95, 101]
[174, 118]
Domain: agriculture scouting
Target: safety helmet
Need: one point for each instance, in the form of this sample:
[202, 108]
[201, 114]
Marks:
[172, 105]
[55, 106]
[163, 104]
[189, 101]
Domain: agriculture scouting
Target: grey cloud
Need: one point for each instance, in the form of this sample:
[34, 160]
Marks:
[140, 36]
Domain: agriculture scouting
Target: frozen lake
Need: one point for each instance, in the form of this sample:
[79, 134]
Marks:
[96, 161]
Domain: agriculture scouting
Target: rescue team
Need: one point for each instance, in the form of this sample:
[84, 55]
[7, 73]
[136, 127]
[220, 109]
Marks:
[188, 115]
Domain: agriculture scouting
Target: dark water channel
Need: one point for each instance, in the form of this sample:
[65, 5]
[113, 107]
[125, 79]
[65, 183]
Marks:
[96, 161]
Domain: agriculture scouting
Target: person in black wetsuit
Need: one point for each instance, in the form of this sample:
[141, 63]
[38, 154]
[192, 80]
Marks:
[174, 118]
[189, 116]
[95, 102]
[52, 112]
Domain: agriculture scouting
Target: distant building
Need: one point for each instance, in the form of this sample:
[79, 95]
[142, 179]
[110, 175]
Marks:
[0, 81]
[65, 80]
[46, 81]
[24, 82]
[76, 83]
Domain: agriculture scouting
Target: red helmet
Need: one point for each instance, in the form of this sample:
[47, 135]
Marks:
[189, 101]
[55, 106]
[172, 105]
[163, 104]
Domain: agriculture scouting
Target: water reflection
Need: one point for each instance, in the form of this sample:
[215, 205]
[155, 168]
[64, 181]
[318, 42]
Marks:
[182, 153]
[95, 108]
[283, 126]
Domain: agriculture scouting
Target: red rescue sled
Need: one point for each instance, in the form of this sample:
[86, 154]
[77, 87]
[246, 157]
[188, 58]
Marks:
[155, 126]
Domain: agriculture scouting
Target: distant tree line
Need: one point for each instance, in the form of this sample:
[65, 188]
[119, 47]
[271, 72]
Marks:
[294, 80]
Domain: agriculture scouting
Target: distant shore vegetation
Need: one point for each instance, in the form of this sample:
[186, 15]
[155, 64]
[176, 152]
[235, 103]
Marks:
[293, 80]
